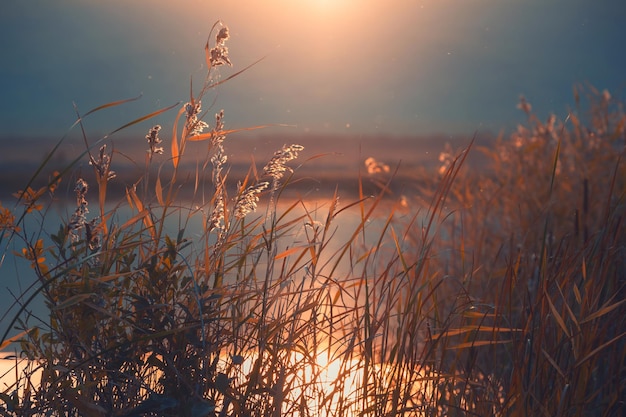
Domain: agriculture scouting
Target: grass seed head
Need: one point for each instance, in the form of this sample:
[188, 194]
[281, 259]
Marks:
[219, 53]
[153, 141]
[102, 165]
[276, 167]
[248, 199]
[194, 126]
[79, 218]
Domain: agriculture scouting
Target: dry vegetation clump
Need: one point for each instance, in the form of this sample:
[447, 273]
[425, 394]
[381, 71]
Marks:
[532, 267]
[498, 292]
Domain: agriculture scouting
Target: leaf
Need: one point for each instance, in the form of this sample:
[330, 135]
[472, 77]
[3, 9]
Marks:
[477, 328]
[557, 317]
[158, 190]
[112, 277]
[306, 307]
[111, 104]
[175, 150]
[207, 48]
[211, 135]
[478, 343]
[146, 117]
[313, 255]
[579, 299]
[72, 301]
[553, 363]
[599, 348]
[291, 251]
[336, 297]
[477, 314]
[145, 214]
[147, 221]
[134, 219]
[603, 311]
[215, 84]
[133, 199]
[11, 339]
[568, 309]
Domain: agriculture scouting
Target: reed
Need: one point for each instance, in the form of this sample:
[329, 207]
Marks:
[494, 292]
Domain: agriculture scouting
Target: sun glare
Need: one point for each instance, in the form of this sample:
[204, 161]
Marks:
[329, 5]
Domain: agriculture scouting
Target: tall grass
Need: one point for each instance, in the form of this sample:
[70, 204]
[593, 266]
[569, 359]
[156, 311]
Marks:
[497, 292]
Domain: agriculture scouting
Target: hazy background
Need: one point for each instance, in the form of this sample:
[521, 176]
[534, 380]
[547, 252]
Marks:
[362, 67]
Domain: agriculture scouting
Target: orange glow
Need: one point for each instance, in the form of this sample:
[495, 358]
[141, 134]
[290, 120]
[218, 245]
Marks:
[371, 65]
[327, 386]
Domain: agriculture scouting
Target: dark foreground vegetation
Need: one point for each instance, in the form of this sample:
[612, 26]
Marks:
[473, 293]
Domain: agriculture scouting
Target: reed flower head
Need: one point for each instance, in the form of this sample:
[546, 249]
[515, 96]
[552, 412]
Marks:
[219, 121]
[153, 140]
[218, 160]
[276, 167]
[216, 220]
[218, 136]
[247, 200]
[218, 55]
[94, 240]
[102, 165]
[375, 167]
[79, 218]
[222, 36]
[193, 125]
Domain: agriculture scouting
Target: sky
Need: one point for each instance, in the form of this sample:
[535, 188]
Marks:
[365, 67]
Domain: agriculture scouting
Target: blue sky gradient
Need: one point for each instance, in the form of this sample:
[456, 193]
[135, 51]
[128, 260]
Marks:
[397, 67]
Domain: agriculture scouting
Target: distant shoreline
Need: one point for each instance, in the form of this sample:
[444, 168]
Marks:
[327, 162]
